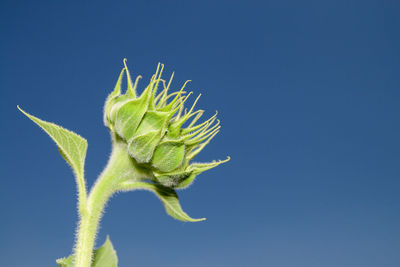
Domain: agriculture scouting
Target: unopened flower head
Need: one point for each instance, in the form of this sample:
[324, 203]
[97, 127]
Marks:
[160, 133]
[154, 140]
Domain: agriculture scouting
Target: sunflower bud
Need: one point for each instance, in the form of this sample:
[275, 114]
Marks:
[160, 133]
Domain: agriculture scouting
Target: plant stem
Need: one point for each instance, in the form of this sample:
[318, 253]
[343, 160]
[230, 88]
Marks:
[120, 167]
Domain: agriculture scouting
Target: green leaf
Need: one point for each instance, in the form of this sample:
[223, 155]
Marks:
[104, 256]
[66, 262]
[167, 196]
[153, 121]
[70, 145]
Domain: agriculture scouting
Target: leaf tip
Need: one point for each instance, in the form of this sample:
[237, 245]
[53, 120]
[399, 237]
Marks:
[23, 111]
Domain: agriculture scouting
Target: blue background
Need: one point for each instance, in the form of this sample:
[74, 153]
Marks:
[308, 95]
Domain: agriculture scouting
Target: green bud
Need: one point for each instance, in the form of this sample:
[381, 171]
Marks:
[160, 133]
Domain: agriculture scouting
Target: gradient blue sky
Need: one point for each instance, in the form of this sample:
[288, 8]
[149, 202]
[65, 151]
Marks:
[308, 94]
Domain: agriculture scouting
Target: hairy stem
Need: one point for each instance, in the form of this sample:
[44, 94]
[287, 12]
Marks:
[120, 167]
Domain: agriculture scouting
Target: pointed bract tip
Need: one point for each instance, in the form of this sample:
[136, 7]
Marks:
[184, 85]
[228, 158]
[125, 64]
[23, 111]
[197, 220]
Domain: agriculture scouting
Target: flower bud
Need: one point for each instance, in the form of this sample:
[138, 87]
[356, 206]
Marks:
[161, 135]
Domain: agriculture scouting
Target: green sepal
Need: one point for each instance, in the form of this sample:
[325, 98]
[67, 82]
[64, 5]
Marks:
[153, 121]
[131, 91]
[141, 147]
[183, 178]
[186, 181]
[104, 256]
[111, 98]
[147, 136]
[172, 179]
[115, 105]
[129, 116]
[168, 156]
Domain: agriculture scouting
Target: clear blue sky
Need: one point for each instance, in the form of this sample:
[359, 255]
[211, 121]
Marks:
[308, 94]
